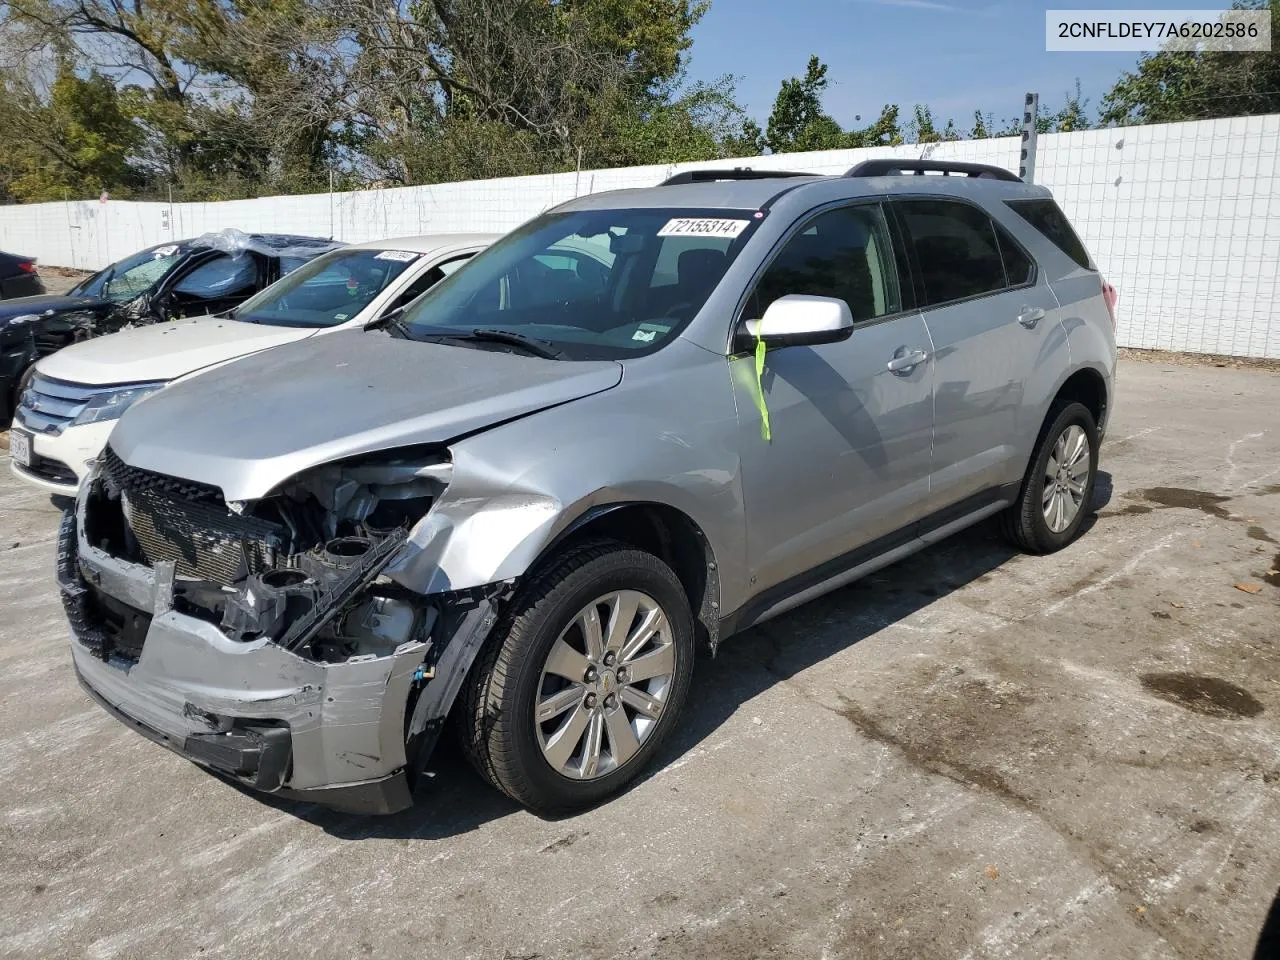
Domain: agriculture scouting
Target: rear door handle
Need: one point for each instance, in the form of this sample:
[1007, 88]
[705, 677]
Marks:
[904, 360]
[1030, 316]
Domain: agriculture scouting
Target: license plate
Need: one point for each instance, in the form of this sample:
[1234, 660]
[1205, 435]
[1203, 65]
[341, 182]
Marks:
[20, 447]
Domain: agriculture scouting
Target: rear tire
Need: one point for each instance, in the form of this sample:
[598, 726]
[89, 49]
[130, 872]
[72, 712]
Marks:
[559, 721]
[1057, 491]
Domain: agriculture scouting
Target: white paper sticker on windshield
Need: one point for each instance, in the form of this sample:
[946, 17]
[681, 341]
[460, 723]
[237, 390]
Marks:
[160, 252]
[644, 336]
[400, 256]
[703, 227]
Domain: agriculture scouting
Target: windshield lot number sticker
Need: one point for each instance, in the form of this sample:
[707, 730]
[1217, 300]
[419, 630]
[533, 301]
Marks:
[400, 256]
[703, 227]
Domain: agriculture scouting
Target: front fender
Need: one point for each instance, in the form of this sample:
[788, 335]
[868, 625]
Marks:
[517, 487]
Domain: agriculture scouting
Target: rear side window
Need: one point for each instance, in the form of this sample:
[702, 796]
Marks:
[1018, 267]
[844, 253]
[956, 249]
[1047, 217]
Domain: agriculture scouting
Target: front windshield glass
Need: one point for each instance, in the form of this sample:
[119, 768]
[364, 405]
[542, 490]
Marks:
[329, 290]
[597, 284]
[132, 276]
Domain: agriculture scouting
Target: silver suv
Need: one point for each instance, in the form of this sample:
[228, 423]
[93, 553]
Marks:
[643, 421]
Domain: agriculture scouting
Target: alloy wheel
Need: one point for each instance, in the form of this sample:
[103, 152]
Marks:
[1066, 477]
[604, 685]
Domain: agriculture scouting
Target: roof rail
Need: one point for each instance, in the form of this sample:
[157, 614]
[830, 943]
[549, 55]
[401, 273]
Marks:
[898, 168]
[737, 173]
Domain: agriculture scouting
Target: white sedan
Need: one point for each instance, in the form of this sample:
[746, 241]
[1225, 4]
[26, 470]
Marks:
[77, 394]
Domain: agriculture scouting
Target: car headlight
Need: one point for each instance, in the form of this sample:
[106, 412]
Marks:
[113, 403]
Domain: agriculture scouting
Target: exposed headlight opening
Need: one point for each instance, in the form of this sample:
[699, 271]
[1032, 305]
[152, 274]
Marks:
[301, 567]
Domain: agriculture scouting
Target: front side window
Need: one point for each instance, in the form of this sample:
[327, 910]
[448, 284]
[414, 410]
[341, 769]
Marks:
[328, 291]
[956, 249]
[844, 253]
[223, 276]
[428, 279]
[597, 284]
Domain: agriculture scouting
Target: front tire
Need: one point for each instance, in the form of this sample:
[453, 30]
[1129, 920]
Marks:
[585, 679]
[1057, 491]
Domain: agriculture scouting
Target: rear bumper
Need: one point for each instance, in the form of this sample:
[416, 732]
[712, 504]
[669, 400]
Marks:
[253, 712]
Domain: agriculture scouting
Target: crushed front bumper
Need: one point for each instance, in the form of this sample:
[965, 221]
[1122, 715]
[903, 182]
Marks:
[332, 733]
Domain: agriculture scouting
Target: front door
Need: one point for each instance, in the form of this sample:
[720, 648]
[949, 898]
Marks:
[848, 456]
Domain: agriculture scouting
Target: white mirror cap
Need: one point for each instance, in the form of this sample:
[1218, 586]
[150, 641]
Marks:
[800, 314]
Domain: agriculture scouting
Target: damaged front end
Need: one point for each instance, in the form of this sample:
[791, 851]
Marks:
[263, 639]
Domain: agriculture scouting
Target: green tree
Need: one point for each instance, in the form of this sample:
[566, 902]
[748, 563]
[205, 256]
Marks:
[1176, 85]
[75, 141]
[884, 132]
[798, 121]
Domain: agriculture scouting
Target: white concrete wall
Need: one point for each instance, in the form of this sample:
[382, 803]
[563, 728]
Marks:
[1183, 218]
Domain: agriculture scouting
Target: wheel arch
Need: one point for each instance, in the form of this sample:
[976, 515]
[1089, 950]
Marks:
[668, 533]
[1087, 386]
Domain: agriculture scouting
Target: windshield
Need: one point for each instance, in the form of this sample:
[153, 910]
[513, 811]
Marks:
[597, 284]
[132, 276]
[329, 290]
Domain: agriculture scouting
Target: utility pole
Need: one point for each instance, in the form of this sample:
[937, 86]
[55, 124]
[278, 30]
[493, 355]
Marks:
[331, 203]
[1027, 163]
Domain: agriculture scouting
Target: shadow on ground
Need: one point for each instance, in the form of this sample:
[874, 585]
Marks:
[455, 800]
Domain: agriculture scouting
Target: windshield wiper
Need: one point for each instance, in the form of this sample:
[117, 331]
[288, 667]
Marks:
[394, 324]
[541, 348]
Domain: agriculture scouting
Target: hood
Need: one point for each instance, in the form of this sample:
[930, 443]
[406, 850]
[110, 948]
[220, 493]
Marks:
[20, 306]
[164, 351]
[250, 426]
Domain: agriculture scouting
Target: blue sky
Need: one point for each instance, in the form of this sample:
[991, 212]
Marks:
[955, 55]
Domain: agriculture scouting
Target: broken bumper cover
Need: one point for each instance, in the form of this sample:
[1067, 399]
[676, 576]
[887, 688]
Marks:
[332, 733]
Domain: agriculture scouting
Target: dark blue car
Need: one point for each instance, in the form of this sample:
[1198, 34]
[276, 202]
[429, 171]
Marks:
[186, 278]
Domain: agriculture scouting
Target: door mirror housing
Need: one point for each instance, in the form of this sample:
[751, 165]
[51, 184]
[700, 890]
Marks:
[797, 320]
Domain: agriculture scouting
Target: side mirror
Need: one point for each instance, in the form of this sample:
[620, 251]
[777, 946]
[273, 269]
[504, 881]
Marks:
[798, 320]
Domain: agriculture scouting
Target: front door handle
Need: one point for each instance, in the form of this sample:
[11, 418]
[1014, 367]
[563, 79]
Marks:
[1030, 316]
[904, 360]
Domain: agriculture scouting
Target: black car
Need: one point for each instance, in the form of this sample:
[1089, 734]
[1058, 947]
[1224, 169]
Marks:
[187, 278]
[18, 277]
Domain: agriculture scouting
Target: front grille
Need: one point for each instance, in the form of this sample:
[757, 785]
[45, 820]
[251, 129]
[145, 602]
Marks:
[48, 405]
[110, 630]
[189, 524]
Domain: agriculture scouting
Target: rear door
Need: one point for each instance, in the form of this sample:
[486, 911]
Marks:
[847, 460]
[992, 318]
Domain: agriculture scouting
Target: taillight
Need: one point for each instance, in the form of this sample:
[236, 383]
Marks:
[1110, 296]
[27, 266]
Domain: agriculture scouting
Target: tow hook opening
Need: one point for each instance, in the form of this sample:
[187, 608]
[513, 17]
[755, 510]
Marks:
[258, 752]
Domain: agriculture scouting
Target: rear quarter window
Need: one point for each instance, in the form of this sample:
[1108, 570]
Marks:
[1047, 217]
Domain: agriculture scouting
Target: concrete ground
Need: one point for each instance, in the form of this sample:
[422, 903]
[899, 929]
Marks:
[971, 754]
[60, 280]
